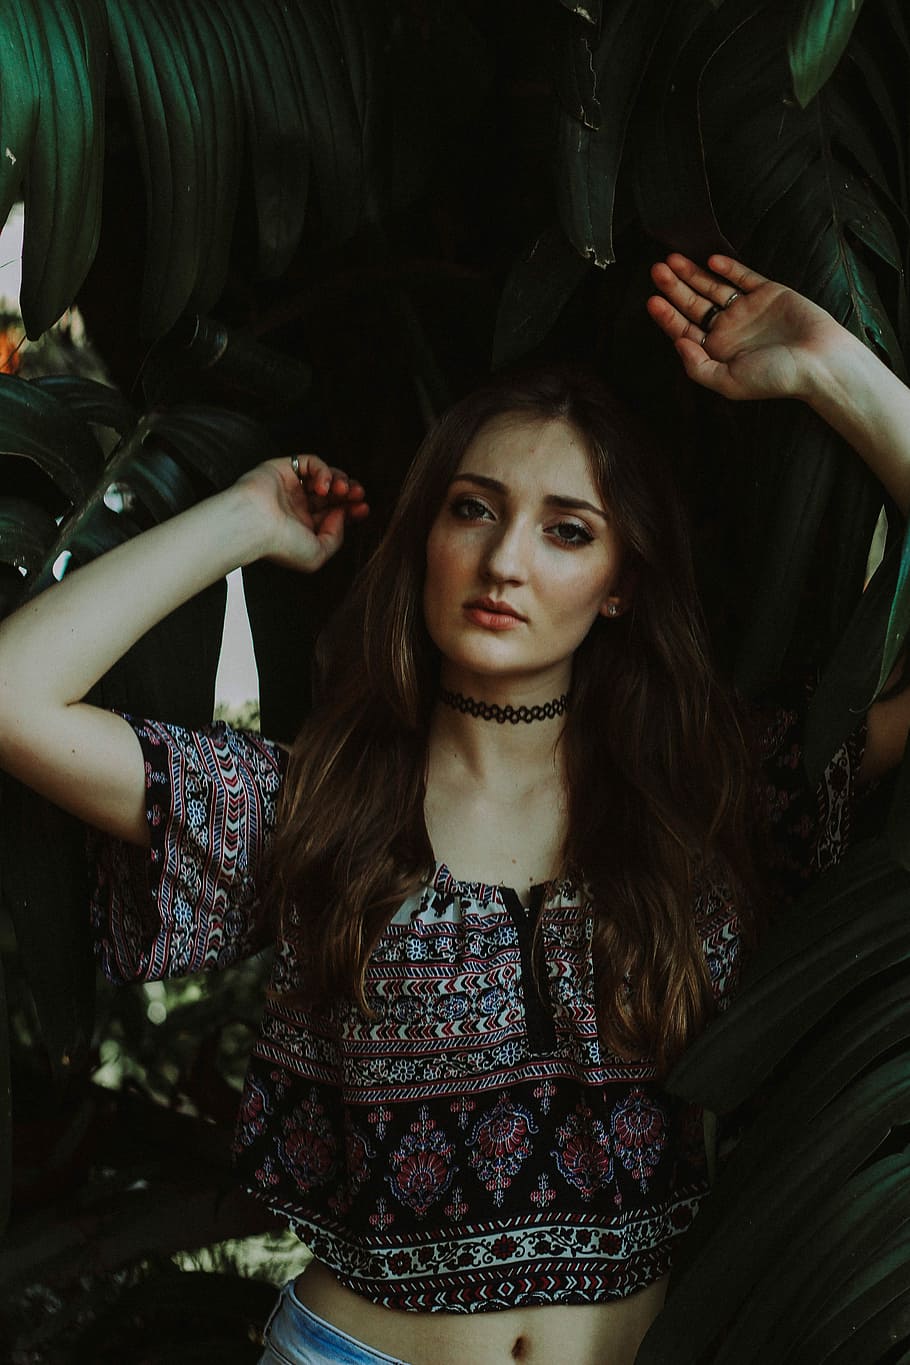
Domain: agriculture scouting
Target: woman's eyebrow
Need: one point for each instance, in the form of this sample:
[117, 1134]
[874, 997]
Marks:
[556, 500]
[551, 499]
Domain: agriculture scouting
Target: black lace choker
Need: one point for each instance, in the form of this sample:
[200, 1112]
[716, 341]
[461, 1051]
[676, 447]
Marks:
[513, 714]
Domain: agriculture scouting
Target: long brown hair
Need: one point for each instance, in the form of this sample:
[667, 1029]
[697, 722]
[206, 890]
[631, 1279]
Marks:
[656, 765]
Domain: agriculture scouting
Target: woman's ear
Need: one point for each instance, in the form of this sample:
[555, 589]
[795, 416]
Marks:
[612, 606]
[621, 599]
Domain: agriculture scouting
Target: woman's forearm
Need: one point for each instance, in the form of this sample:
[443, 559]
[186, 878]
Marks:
[866, 404]
[56, 647]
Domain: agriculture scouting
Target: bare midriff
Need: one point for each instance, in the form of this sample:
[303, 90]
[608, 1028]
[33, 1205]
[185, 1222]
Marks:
[583, 1334]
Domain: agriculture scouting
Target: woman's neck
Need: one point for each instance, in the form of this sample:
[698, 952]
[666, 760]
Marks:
[498, 734]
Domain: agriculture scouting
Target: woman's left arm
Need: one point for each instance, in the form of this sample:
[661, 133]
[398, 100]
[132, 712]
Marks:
[746, 337]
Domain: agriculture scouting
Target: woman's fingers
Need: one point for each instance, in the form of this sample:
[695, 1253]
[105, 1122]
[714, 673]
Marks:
[700, 367]
[670, 320]
[736, 272]
[326, 487]
[690, 289]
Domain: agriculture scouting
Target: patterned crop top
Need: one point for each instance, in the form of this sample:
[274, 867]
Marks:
[471, 1147]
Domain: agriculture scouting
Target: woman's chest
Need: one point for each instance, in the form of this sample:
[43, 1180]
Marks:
[514, 841]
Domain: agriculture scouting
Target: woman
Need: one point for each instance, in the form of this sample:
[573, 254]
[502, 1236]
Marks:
[507, 878]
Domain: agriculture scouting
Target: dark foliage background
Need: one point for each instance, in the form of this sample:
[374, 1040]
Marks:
[311, 225]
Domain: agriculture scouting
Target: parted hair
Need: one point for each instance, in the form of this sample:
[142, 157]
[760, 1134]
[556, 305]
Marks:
[657, 769]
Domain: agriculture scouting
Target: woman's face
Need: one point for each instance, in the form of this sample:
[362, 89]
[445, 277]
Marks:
[521, 559]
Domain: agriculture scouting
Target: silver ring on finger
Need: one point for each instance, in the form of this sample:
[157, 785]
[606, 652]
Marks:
[710, 315]
[737, 294]
[295, 465]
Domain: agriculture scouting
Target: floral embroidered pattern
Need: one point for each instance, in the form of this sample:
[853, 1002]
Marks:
[307, 1150]
[583, 1155]
[422, 1167]
[502, 1142]
[639, 1128]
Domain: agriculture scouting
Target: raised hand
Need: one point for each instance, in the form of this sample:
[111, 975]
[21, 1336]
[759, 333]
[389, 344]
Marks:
[303, 506]
[738, 333]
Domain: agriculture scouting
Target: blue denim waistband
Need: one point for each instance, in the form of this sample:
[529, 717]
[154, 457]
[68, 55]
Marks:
[295, 1335]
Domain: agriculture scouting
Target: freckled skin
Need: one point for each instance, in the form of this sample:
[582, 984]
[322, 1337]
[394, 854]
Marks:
[558, 567]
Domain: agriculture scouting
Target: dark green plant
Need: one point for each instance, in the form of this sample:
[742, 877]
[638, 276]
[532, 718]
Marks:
[386, 195]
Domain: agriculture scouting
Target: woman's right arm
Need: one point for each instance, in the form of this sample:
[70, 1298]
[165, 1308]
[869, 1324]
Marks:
[54, 649]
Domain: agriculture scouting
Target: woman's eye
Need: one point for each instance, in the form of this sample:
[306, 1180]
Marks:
[470, 509]
[571, 533]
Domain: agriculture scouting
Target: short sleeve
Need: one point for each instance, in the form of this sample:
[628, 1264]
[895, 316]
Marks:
[806, 827]
[190, 901]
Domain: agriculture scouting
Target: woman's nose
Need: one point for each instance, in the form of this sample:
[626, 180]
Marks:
[507, 553]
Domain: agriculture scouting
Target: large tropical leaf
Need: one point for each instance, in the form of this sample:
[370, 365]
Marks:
[605, 66]
[63, 174]
[277, 129]
[19, 96]
[95, 403]
[773, 1200]
[25, 533]
[538, 288]
[849, 927]
[34, 425]
[155, 79]
[819, 36]
[210, 88]
[811, 1273]
[804, 215]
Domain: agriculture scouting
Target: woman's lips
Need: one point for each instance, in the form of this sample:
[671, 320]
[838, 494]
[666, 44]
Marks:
[492, 615]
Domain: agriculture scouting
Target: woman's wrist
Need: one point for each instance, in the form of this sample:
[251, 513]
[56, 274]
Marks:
[827, 367]
[248, 533]
[856, 394]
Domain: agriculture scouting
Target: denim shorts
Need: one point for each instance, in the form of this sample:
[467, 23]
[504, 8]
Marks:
[296, 1336]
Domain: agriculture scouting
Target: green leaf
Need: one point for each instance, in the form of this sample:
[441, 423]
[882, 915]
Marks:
[846, 929]
[818, 39]
[838, 1236]
[217, 444]
[100, 404]
[673, 192]
[63, 179]
[158, 465]
[155, 79]
[19, 97]
[537, 289]
[772, 1200]
[803, 215]
[847, 686]
[336, 54]
[25, 533]
[873, 1312]
[205, 34]
[276, 129]
[808, 457]
[589, 153]
[35, 425]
